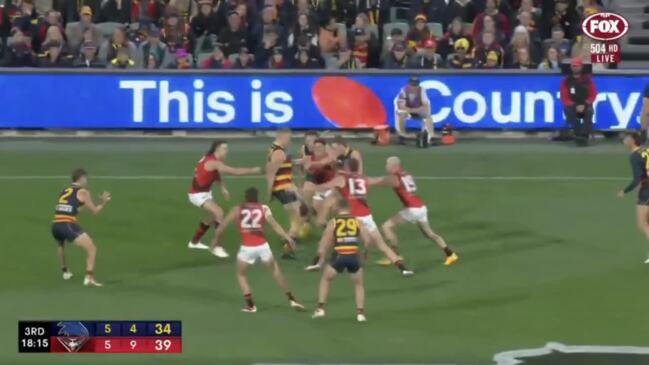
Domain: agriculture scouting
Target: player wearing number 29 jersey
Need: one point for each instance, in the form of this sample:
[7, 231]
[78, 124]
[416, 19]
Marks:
[251, 218]
[414, 211]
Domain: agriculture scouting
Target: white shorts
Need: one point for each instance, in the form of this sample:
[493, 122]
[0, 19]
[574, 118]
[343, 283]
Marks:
[322, 195]
[415, 215]
[198, 199]
[368, 223]
[250, 254]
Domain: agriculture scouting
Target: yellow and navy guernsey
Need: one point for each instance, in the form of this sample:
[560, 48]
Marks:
[345, 156]
[284, 175]
[346, 235]
[67, 207]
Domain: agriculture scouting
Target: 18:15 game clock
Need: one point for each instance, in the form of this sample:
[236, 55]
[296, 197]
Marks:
[100, 336]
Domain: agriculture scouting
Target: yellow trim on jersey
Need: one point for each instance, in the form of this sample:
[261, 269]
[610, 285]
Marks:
[283, 177]
[286, 165]
[282, 187]
[59, 218]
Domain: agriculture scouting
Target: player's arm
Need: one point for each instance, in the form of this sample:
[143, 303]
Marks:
[272, 166]
[277, 227]
[225, 223]
[224, 190]
[336, 182]
[326, 240]
[218, 165]
[390, 181]
[84, 196]
[644, 114]
[357, 155]
[636, 170]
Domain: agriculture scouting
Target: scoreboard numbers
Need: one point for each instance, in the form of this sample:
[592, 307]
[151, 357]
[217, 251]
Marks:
[100, 336]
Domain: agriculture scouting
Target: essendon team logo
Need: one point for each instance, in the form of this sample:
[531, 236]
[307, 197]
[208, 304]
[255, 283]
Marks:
[605, 26]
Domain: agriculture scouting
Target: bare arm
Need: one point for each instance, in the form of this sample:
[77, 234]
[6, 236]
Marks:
[84, 196]
[357, 155]
[644, 114]
[326, 241]
[390, 181]
[218, 165]
[277, 228]
[224, 190]
[225, 223]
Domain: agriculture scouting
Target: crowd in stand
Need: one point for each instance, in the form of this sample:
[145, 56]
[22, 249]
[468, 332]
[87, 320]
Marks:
[299, 34]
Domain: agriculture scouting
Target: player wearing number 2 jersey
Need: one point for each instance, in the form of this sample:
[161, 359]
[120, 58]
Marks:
[414, 209]
[354, 187]
[251, 217]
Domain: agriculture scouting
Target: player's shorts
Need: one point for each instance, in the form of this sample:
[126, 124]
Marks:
[322, 195]
[643, 195]
[368, 222]
[415, 215]
[252, 254]
[63, 232]
[198, 199]
[309, 177]
[285, 196]
[340, 263]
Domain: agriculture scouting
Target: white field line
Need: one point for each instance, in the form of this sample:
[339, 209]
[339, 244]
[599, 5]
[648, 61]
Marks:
[178, 177]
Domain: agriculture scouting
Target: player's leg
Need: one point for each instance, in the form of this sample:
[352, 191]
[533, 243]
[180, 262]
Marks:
[359, 293]
[292, 206]
[216, 213]
[211, 211]
[85, 242]
[328, 204]
[279, 278]
[388, 229]
[60, 238]
[328, 275]
[642, 219]
[451, 257]
[242, 278]
[376, 238]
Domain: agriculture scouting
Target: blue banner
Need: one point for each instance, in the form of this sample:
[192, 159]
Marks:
[264, 101]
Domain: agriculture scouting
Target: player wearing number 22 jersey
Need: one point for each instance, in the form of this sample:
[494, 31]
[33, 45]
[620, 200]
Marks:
[354, 187]
[251, 218]
[414, 210]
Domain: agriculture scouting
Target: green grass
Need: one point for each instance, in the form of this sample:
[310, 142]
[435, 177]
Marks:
[541, 259]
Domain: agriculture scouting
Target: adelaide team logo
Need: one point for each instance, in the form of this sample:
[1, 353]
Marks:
[72, 335]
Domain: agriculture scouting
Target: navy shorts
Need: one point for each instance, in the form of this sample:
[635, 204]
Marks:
[285, 196]
[350, 263]
[63, 232]
[643, 195]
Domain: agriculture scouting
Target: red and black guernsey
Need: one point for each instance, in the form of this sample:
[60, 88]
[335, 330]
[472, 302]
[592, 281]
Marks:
[322, 174]
[406, 190]
[252, 219]
[284, 175]
[203, 179]
[68, 204]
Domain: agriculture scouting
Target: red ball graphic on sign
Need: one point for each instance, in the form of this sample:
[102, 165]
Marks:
[347, 103]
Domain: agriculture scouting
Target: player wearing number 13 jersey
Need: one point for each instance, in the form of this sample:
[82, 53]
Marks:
[414, 209]
[251, 218]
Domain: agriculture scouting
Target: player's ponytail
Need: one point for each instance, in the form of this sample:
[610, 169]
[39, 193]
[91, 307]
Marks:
[215, 145]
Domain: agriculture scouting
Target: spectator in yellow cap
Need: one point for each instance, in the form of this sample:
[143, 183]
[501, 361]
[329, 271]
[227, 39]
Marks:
[491, 61]
[76, 30]
[461, 59]
[419, 32]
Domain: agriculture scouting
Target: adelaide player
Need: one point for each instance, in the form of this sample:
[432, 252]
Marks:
[354, 187]
[344, 152]
[279, 179]
[639, 159]
[208, 171]
[251, 217]
[344, 233]
[414, 211]
[66, 229]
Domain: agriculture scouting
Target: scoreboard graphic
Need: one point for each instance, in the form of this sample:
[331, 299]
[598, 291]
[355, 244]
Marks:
[117, 337]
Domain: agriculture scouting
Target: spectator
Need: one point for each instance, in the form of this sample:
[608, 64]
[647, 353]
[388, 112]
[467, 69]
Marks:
[396, 36]
[437, 11]
[175, 32]
[525, 19]
[566, 17]
[76, 31]
[397, 58]
[217, 60]
[528, 6]
[265, 49]
[520, 39]
[88, 57]
[117, 11]
[146, 10]
[558, 41]
[234, 36]
[523, 60]
[152, 63]
[182, 60]
[122, 59]
[455, 32]
[427, 57]
[491, 9]
[345, 60]
[269, 20]
[342, 11]
[361, 48]
[285, 13]
[461, 59]
[578, 94]
[52, 17]
[313, 50]
[108, 50]
[303, 28]
[187, 9]
[207, 21]
[492, 61]
[54, 34]
[153, 46]
[71, 9]
[374, 11]
[244, 60]
[489, 25]
[53, 57]
[487, 46]
[367, 36]
[316, 10]
[330, 40]
[19, 52]
[552, 60]
[418, 32]
[304, 61]
[277, 60]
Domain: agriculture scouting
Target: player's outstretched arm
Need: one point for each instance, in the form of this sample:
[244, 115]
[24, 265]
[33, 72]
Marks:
[225, 223]
[218, 165]
[390, 181]
[326, 240]
[278, 228]
[84, 196]
[336, 182]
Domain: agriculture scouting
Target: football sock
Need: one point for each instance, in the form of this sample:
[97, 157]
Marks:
[64, 269]
[399, 264]
[290, 296]
[321, 305]
[200, 232]
[316, 259]
[90, 273]
[448, 251]
[360, 311]
[248, 299]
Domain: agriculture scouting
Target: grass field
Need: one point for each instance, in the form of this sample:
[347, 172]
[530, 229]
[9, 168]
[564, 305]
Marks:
[548, 253]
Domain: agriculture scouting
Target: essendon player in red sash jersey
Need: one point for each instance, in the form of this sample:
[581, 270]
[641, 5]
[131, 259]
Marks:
[208, 171]
[321, 168]
[251, 218]
[414, 209]
[354, 187]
